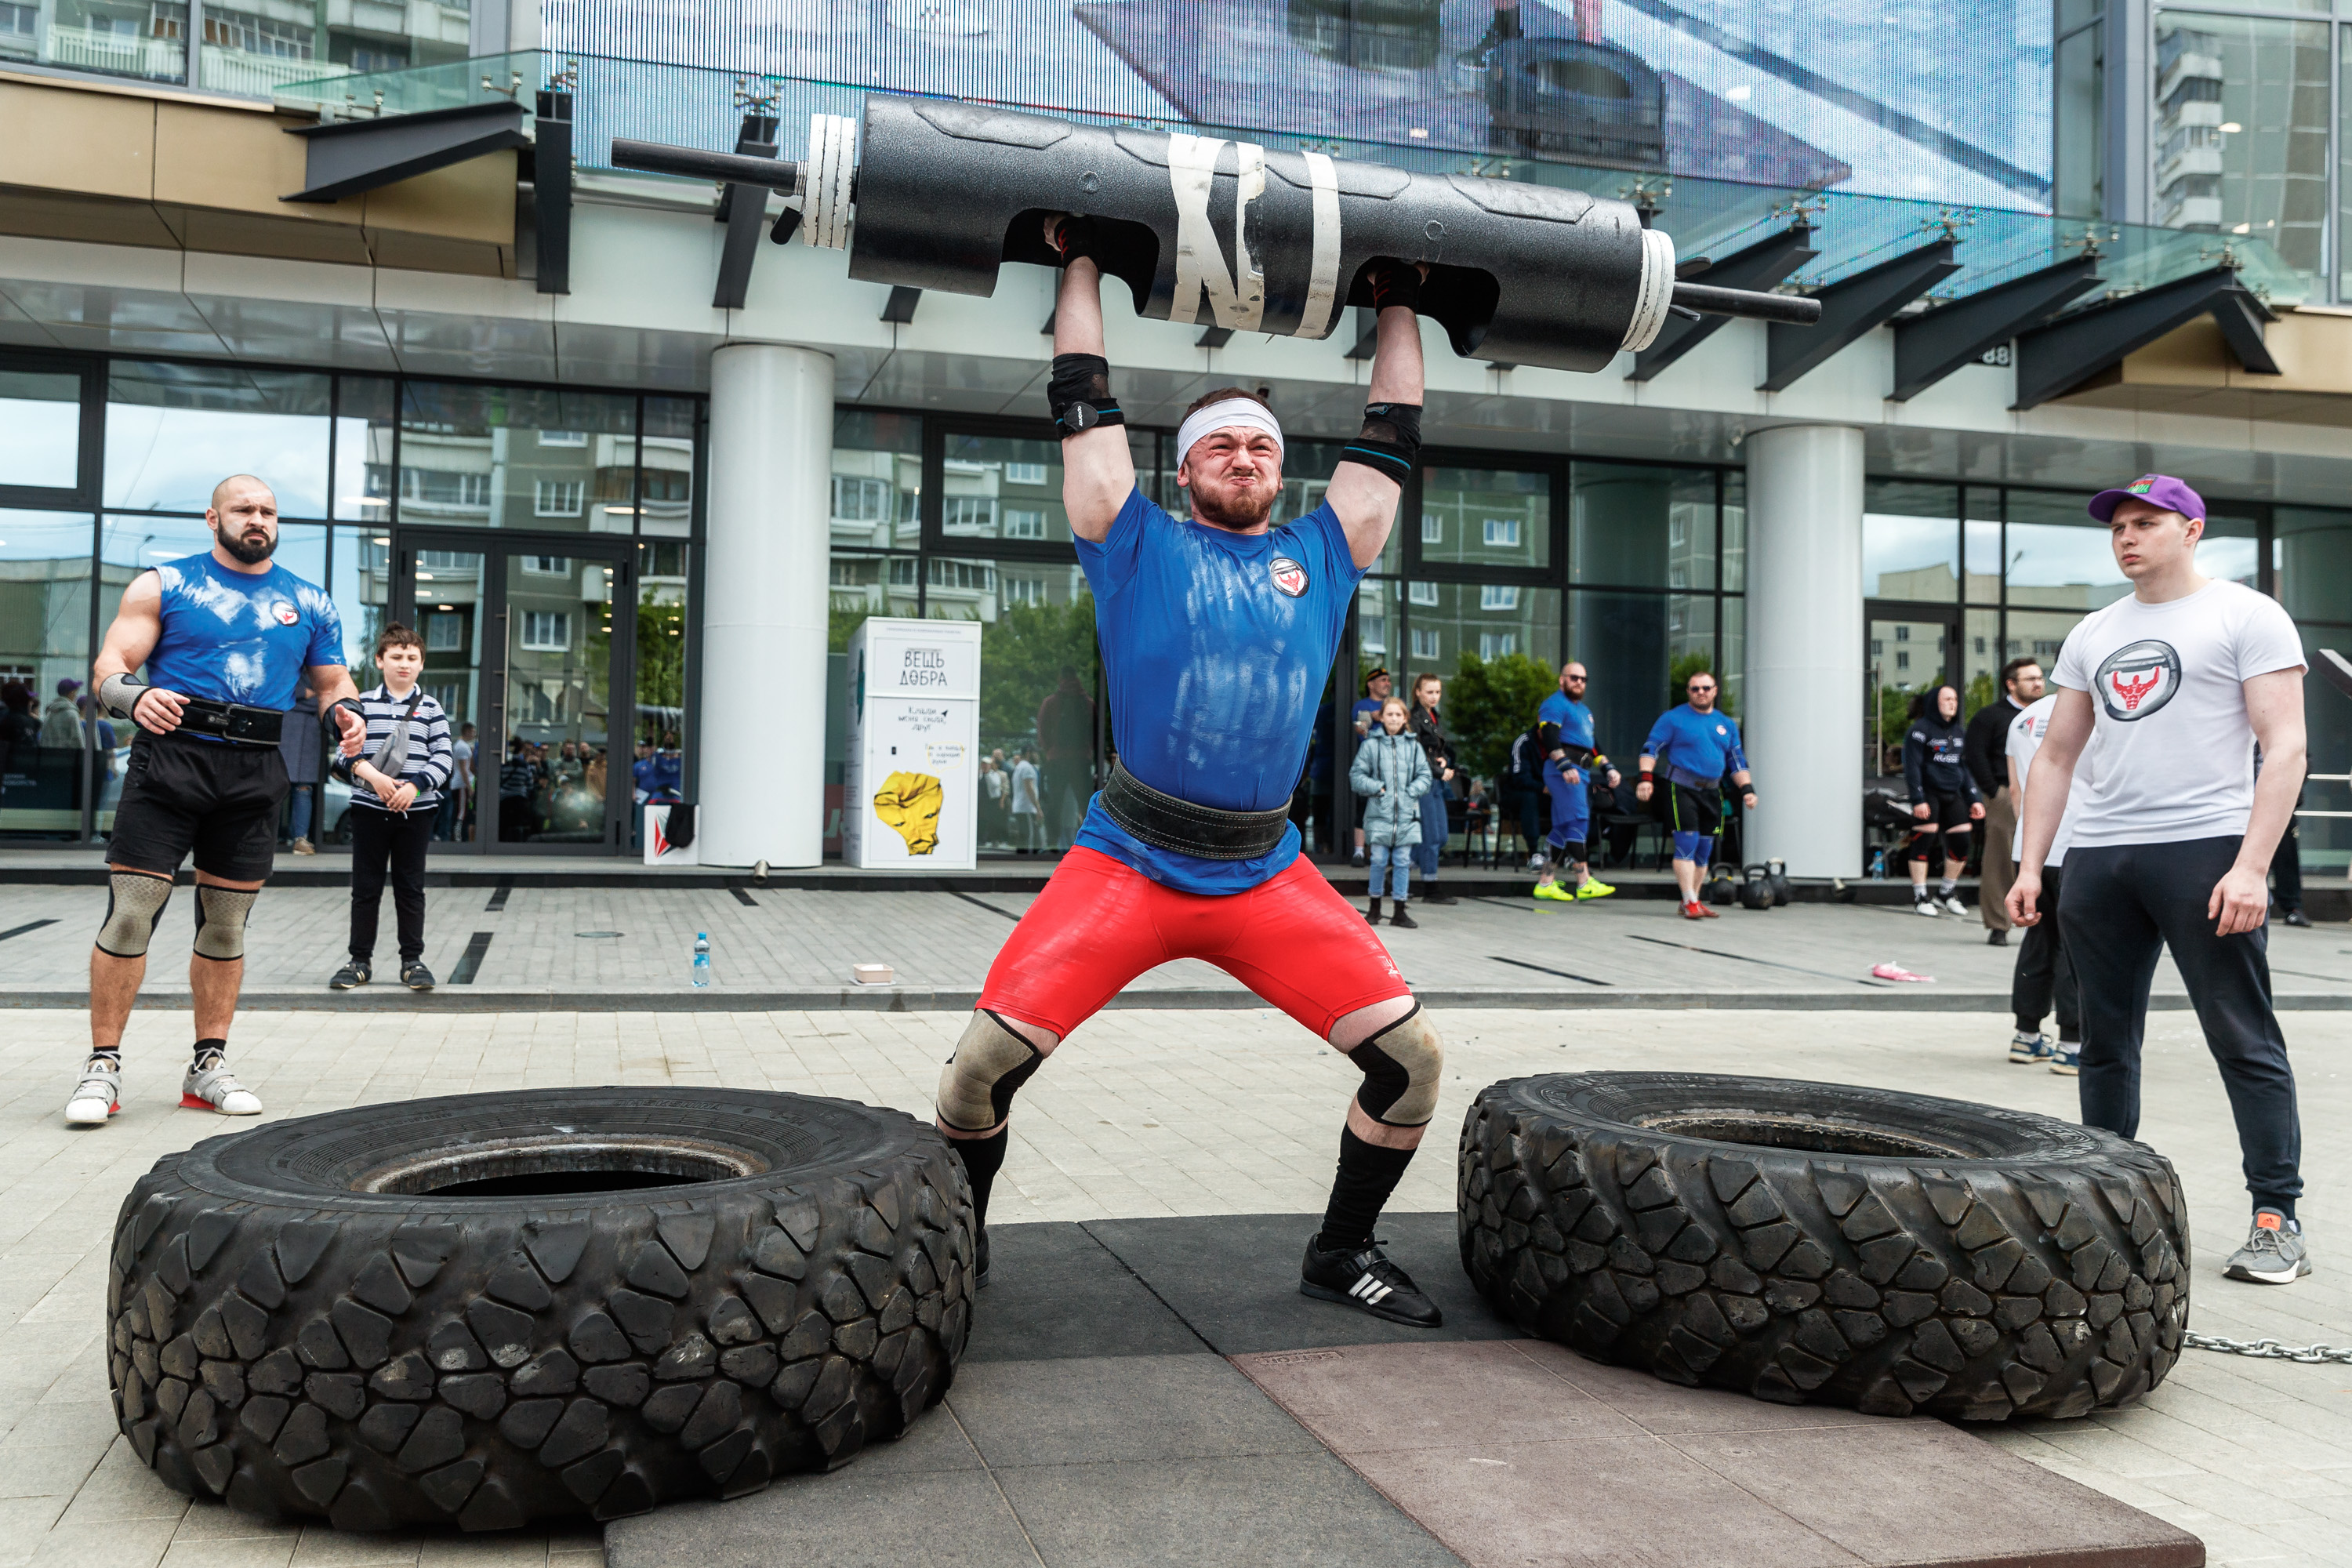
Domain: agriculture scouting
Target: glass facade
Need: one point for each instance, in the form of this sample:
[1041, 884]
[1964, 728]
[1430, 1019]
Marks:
[248, 48]
[2242, 130]
[391, 495]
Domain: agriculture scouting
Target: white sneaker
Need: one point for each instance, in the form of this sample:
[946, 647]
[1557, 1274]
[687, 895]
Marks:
[1952, 902]
[1926, 906]
[214, 1088]
[97, 1096]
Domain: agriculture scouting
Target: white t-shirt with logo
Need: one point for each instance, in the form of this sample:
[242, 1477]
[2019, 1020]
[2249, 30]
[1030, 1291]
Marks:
[2172, 753]
[2026, 732]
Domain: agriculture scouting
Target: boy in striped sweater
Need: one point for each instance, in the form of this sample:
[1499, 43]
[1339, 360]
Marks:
[396, 782]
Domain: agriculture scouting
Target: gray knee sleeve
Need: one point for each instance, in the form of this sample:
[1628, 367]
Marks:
[990, 1063]
[133, 901]
[220, 922]
[1401, 1066]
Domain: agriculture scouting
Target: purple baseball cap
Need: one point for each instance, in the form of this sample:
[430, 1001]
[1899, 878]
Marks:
[2156, 489]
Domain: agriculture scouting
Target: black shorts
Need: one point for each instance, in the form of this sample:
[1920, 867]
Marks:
[219, 800]
[1693, 808]
[1945, 810]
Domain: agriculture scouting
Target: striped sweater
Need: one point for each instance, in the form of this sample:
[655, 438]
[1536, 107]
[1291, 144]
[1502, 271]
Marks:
[430, 754]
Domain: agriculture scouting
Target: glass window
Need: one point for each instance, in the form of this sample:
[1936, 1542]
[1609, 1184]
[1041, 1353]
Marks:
[45, 654]
[2058, 557]
[1980, 539]
[979, 501]
[1486, 517]
[1734, 532]
[666, 504]
[1731, 654]
[40, 428]
[877, 476]
[660, 728]
[1039, 682]
[1450, 622]
[2038, 635]
[2326, 842]
[2078, 139]
[2344, 167]
[1981, 659]
[174, 431]
[1910, 541]
[2230, 551]
[1636, 526]
[489, 456]
[360, 583]
[252, 47]
[147, 39]
[2312, 552]
[1633, 644]
[2240, 134]
[363, 425]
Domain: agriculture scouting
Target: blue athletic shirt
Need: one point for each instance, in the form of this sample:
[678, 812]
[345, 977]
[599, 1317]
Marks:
[231, 636]
[1695, 748]
[1574, 718]
[1216, 647]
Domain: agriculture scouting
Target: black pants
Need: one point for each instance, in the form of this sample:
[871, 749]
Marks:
[2125, 903]
[2043, 969]
[387, 837]
[2286, 867]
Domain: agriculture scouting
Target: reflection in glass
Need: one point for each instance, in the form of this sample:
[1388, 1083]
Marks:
[1734, 532]
[1631, 644]
[40, 428]
[45, 644]
[2312, 552]
[252, 47]
[174, 431]
[558, 697]
[1905, 658]
[2326, 842]
[1911, 541]
[1980, 661]
[878, 477]
[526, 458]
[1638, 526]
[145, 41]
[364, 424]
[1731, 656]
[997, 487]
[2038, 635]
[1039, 681]
[1448, 622]
[1486, 517]
[657, 770]
[2230, 551]
[1981, 538]
[666, 505]
[2242, 130]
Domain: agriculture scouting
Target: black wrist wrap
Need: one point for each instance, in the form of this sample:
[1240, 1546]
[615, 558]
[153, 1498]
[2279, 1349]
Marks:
[1394, 282]
[1082, 379]
[1391, 443]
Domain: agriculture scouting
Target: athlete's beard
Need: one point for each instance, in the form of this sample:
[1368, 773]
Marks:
[1238, 512]
[235, 545]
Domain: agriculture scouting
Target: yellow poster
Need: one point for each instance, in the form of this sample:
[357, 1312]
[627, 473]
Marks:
[909, 804]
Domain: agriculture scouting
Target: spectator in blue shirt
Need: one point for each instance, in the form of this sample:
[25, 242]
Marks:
[1694, 746]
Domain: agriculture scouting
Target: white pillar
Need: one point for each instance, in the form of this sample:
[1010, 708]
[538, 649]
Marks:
[1804, 680]
[761, 776]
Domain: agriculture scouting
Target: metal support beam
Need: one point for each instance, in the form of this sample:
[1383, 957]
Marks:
[899, 307]
[2054, 360]
[349, 156]
[551, 190]
[742, 209]
[1931, 347]
[1763, 265]
[1852, 308]
[1214, 338]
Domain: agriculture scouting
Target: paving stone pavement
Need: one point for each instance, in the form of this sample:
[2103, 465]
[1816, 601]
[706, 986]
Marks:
[1143, 1113]
[1607, 952]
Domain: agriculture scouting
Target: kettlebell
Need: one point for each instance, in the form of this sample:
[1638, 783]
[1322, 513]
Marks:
[1720, 889]
[1756, 888]
[1782, 894]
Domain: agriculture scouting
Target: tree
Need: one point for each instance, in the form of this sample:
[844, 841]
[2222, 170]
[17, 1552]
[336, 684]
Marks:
[1489, 701]
[1022, 653]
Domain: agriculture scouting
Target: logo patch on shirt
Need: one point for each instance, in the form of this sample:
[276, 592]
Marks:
[1289, 576]
[287, 614]
[2136, 680]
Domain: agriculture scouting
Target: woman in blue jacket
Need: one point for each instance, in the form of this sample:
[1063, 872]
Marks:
[1944, 798]
[1392, 772]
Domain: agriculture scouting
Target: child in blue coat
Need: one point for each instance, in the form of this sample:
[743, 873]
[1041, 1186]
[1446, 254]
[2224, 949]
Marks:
[1392, 772]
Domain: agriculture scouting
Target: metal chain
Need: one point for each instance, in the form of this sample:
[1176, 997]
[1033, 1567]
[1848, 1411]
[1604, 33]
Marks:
[2270, 1349]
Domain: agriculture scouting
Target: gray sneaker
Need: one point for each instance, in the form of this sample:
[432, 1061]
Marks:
[2274, 1253]
[97, 1096]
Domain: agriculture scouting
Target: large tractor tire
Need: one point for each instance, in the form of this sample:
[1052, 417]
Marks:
[491, 1308]
[1814, 1242]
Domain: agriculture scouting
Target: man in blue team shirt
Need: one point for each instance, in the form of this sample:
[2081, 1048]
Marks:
[1217, 633]
[224, 638]
[1697, 746]
[1564, 731]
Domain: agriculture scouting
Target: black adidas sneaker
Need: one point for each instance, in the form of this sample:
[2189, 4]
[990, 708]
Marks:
[1367, 1280]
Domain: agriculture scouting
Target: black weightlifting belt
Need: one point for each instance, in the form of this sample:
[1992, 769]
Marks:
[231, 721]
[1165, 823]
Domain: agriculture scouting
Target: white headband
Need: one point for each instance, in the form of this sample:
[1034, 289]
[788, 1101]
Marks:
[1232, 411]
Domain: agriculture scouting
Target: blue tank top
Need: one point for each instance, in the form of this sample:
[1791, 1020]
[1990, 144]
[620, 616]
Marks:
[1216, 647]
[235, 638]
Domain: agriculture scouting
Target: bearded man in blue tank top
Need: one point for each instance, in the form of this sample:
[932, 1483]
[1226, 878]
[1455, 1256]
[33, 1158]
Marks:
[222, 638]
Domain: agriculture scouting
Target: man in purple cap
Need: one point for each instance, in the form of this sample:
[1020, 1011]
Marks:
[2172, 689]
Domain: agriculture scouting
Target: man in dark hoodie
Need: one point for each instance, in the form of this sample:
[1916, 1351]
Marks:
[1944, 799]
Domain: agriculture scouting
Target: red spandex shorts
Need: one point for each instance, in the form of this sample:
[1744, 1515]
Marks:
[1098, 925]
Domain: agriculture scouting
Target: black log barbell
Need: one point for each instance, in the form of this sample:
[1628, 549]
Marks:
[1214, 232]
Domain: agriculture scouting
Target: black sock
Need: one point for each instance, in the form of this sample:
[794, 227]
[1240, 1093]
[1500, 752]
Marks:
[1368, 1174]
[983, 1158]
[215, 1049]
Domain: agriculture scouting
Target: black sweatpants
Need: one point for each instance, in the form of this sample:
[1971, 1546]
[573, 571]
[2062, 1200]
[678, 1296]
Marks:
[382, 839]
[2125, 903]
[2043, 969]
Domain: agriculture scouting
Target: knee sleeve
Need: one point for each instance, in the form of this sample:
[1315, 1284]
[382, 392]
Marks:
[991, 1062]
[1686, 846]
[1956, 843]
[220, 922]
[1400, 1065]
[1704, 850]
[133, 901]
[1573, 852]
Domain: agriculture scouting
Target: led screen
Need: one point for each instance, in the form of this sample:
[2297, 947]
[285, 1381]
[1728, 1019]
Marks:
[1941, 99]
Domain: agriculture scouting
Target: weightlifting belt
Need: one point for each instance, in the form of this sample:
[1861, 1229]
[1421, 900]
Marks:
[232, 721]
[1165, 822]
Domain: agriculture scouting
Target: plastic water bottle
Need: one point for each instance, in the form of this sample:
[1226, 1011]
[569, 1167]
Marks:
[702, 958]
[1878, 865]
